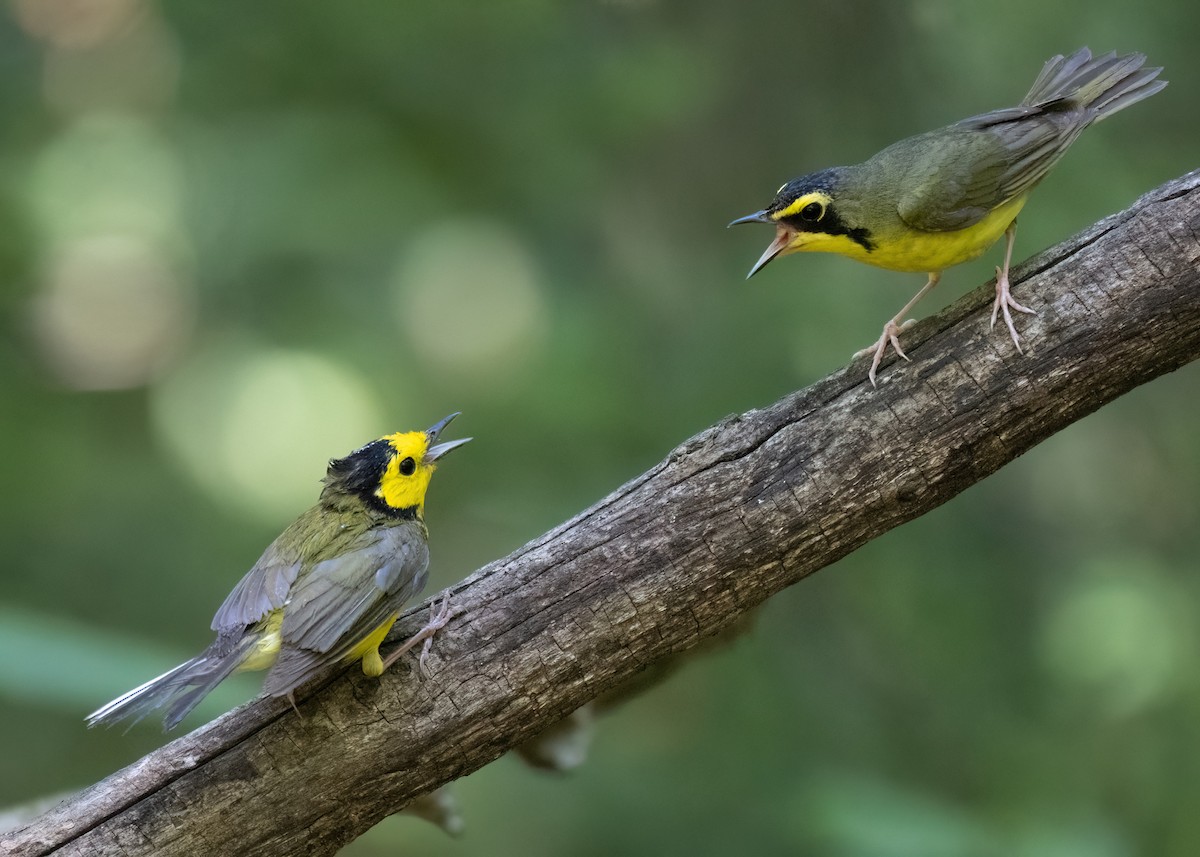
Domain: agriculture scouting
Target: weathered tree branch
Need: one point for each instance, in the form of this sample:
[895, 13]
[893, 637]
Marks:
[731, 517]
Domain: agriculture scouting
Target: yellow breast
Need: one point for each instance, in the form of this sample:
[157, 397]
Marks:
[918, 251]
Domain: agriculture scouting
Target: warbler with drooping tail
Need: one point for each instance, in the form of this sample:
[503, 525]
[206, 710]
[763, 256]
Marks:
[328, 589]
[942, 198]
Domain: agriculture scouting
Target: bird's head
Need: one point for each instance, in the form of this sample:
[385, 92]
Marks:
[808, 215]
[391, 475]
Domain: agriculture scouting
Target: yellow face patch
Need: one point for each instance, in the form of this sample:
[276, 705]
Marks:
[821, 242]
[406, 479]
[802, 202]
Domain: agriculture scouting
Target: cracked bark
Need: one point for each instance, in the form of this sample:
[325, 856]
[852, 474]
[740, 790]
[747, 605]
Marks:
[729, 518]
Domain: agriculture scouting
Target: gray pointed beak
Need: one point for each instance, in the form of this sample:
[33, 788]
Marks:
[437, 450]
[436, 429]
[783, 237]
[756, 217]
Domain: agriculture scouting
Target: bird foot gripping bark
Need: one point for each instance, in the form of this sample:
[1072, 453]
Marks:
[890, 335]
[439, 617]
[1004, 300]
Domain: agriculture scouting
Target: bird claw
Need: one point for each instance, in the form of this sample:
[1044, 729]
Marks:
[1004, 300]
[891, 332]
[439, 617]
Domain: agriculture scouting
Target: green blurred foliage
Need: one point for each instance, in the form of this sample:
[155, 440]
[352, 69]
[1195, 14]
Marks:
[237, 240]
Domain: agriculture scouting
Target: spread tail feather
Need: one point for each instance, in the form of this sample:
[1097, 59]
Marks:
[182, 687]
[1105, 84]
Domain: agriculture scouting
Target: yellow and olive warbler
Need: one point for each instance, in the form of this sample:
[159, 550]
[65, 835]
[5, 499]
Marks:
[327, 590]
[944, 197]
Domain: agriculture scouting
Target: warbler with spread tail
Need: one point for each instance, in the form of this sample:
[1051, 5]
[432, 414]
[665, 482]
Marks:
[942, 198]
[327, 590]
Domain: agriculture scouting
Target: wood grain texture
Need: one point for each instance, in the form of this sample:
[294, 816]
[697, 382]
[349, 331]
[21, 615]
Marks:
[728, 519]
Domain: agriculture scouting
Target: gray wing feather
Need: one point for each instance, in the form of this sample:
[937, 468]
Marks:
[295, 666]
[1032, 144]
[263, 589]
[328, 603]
[982, 163]
[340, 601]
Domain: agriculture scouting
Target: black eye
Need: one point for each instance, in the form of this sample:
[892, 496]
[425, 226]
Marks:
[408, 467]
[812, 212]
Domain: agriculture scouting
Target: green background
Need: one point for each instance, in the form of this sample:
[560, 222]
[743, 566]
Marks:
[239, 239]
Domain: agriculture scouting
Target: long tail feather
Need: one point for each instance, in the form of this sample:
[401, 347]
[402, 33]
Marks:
[182, 687]
[189, 697]
[1104, 84]
[143, 699]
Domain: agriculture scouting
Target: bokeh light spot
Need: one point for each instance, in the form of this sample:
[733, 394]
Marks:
[107, 173]
[75, 23]
[469, 299]
[1116, 635]
[255, 426]
[111, 313]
